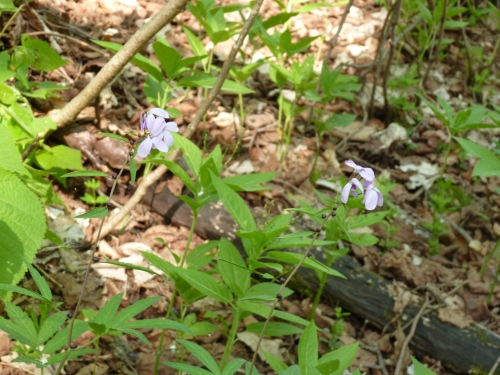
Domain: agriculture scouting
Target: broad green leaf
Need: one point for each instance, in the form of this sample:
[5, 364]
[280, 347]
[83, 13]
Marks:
[420, 369]
[85, 174]
[366, 220]
[274, 362]
[142, 62]
[474, 149]
[274, 329]
[46, 58]
[233, 366]
[94, 213]
[188, 369]
[195, 257]
[169, 58]
[206, 284]
[130, 311]
[22, 228]
[7, 6]
[232, 268]
[206, 81]
[292, 370]
[344, 355]
[360, 239]
[203, 328]
[50, 326]
[202, 355]
[192, 154]
[249, 182]
[328, 367]
[235, 205]
[115, 136]
[59, 157]
[61, 337]
[10, 158]
[487, 167]
[7, 96]
[308, 347]
[196, 45]
[294, 258]
[279, 19]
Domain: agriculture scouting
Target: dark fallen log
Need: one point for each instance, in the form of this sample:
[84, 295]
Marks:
[363, 293]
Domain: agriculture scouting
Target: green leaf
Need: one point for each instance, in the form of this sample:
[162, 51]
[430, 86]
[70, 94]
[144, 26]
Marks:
[130, 311]
[344, 355]
[202, 355]
[7, 96]
[7, 6]
[487, 167]
[159, 323]
[188, 369]
[196, 45]
[249, 182]
[40, 282]
[206, 284]
[168, 268]
[50, 326]
[235, 205]
[267, 290]
[232, 268]
[61, 337]
[22, 228]
[142, 62]
[420, 369]
[85, 174]
[264, 310]
[474, 149]
[169, 58]
[294, 258]
[22, 322]
[292, 370]
[130, 266]
[296, 240]
[46, 58]
[94, 213]
[206, 81]
[451, 24]
[10, 158]
[18, 289]
[176, 169]
[328, 367]
[107, 313]
[115, 136]
[233, 366]
[366, 220]
[192, 154]
[308, 347]
[274, 329]
[59, 157]
[274, 362]
[360, 239]
[73, 354]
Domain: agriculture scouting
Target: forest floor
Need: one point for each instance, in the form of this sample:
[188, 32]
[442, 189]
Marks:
[411, 159]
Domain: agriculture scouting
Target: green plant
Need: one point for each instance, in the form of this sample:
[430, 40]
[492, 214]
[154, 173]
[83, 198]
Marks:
[92, 199]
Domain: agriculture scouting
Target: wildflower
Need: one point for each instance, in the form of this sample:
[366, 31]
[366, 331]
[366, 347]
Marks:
[366, 173]
[158, 112]
[351, 185]
[373, 198]
[167, 135]
[155, 125]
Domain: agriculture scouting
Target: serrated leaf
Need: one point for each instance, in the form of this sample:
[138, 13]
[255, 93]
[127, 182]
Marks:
[202, 355]
[206, 284]
[130, 311]
[22, 228]
[94, 213]
[85, 174]
[107, 313]
[10, 158]
[22, 322]
[50, 326]
[308, 347]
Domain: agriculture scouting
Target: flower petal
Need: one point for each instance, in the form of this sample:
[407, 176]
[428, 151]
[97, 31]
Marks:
[168, 138]
[145, 147]
[367, 174]
[345, 192]
[158, 126]
[172, 126]
[150, 120]
[380, 198]
[159, 112]
[352, 164]
[356, 182]
[371, 200]
[159, 144]
[142, 121]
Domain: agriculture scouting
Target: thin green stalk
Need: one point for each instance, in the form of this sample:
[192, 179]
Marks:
[87, 273]
[230, 338]
[169, 309]
[322, 283]
[11, 19]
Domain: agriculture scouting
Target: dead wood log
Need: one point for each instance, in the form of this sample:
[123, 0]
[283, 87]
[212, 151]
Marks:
[362, 293]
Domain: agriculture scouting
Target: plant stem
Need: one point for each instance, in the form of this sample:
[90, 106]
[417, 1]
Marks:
[87, 273]
[11, 19]
[230, 338]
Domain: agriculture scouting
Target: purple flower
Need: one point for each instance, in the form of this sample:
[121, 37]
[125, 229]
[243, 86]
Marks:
[351, 185]
[366, 173]
[373, 198]
[158, 112]
[167, 135]
[155, 126]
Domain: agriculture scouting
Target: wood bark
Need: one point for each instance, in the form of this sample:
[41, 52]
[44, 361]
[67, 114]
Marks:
[362, 292]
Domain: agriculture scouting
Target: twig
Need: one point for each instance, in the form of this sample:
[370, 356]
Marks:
[410, 335]
[458, 229]
[118, 62]
[375, 349]
[53, 41]
[154, 176]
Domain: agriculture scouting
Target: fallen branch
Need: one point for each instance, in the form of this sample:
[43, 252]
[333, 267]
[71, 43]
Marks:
[154, 176]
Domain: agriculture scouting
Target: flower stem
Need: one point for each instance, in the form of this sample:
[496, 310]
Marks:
[230, 338]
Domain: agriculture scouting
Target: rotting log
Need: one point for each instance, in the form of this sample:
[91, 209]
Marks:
[362, 293]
